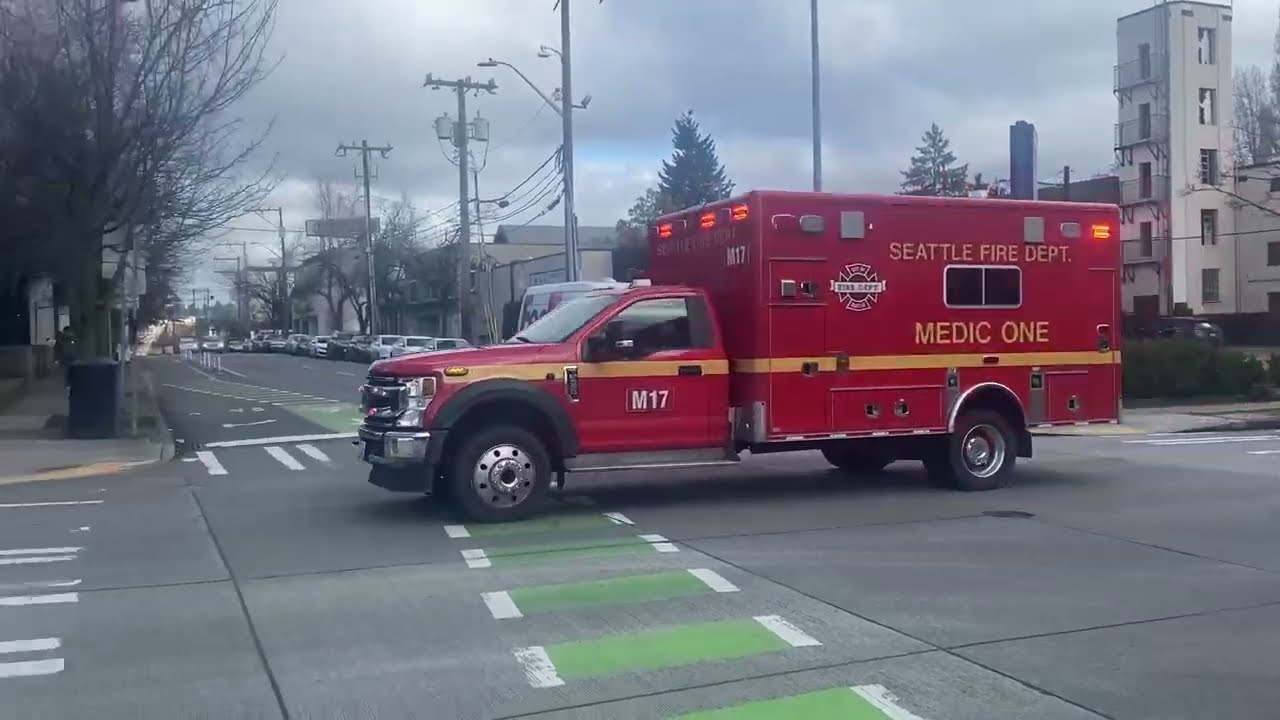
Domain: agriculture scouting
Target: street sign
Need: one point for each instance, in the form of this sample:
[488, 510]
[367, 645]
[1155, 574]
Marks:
[339, 227]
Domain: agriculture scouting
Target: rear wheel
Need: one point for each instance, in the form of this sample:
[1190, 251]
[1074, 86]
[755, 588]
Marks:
[499, 475]
[856, 461]
[979, 455]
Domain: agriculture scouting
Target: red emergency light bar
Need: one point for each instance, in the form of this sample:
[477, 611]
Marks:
[1101, 232]
[707, 220]
[738, 213]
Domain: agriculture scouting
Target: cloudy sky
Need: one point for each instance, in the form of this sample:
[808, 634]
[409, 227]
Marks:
[354, 69]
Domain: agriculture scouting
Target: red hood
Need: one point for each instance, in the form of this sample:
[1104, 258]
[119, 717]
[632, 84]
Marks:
[505, 354]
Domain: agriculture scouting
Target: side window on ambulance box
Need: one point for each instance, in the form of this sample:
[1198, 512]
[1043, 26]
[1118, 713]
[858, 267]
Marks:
[657, 325]
[978, 286]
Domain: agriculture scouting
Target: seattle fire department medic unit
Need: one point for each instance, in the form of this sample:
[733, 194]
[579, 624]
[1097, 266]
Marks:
[870, 328]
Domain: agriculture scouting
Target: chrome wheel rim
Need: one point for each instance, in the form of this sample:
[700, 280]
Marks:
[983, 450]
[503, 476]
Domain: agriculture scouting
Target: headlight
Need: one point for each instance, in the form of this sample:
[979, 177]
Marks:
[418, 394]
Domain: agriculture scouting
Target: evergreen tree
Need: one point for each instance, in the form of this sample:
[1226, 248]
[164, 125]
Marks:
[933, 169]
[646, 209]
[693, 176]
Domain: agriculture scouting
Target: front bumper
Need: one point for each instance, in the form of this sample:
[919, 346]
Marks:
[403, 461]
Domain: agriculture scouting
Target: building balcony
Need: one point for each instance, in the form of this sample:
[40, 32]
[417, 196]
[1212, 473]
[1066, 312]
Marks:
[1152, 190]
[1135, 73]
[1142, 131]
[1137, 251]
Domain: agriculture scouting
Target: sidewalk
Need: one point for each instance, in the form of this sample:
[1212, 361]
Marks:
[34, 446]
[1222, 417]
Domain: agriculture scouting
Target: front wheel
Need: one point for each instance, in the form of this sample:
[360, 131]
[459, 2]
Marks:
[499, 474]
[979, 455]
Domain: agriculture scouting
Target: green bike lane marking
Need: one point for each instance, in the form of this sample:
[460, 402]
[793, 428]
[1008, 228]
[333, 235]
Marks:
[338, 417]
[540, 525]
[625, 590]
[480, 558]
[671, 647]
[861, 702]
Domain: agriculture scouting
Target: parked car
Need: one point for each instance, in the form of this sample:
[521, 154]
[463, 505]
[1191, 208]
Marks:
[276, 343]
[450, 344]
[303, 346]
[188, 344]
[212, 344]
[237, 345]
[380, 348]
[320, 346]
[339, 343]
[411, 344]
[1190, 328]
[291, 345]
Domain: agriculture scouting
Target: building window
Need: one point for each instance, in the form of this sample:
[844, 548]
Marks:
[1274, 185]
[1208, 227]
[1208, 166]
[972, 286]
[1144, 61]
[1208, 46]
[1208, 106]
[1273, 253]
[1144, 121]
[1144, 238]
[1209, 290]
[1273, 303]
[1144, 180]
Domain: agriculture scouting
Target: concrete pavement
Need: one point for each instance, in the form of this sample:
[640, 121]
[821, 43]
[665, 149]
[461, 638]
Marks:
[1126, 577]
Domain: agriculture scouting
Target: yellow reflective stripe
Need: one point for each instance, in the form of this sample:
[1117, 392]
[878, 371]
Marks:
[929, 362]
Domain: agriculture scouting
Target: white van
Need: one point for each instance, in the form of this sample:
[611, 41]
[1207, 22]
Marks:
[542, 299]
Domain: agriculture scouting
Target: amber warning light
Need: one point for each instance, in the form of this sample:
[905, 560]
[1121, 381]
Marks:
[1101, 232]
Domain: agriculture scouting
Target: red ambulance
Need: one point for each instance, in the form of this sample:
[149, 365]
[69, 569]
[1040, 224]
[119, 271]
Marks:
[870, 328]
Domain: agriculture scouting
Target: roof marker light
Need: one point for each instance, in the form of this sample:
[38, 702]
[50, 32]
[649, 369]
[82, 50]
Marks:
[739, 213]
[707, 220]
[1101, 232]
[664, 231]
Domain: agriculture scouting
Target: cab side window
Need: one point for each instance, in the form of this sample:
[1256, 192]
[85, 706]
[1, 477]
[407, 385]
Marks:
[656, 325]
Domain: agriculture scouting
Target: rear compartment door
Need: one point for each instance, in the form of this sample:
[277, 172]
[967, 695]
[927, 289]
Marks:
[797, 343]
[1103, 395]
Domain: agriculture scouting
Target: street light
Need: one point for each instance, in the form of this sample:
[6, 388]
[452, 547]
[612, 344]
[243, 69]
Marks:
[565, 111]
[817, 96]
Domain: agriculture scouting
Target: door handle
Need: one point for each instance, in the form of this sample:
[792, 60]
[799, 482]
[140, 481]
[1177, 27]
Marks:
[690, 370]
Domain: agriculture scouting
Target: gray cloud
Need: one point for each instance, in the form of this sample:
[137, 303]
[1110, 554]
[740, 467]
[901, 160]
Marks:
[890, 67]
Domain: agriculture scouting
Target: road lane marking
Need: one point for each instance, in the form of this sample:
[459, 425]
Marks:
[36, 645]
[30, 669]
[476, 558]
[538, 667]
[42, 551]
[284, 458]
[500, 605]
[599, 547]
[210, 462]
[1205, 441]
[247, 424]
[792, 635]
[60, 503]
[561, 523]
[54, 599]
[281, 440]
[621, 590]
[1263, 452]
[314, 453]
[35, 560]
[347, 374]
[861, 702]
[713, 580]
[38, 584]
[660, 649]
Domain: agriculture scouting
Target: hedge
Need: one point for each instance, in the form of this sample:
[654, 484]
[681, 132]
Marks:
[1186, 368]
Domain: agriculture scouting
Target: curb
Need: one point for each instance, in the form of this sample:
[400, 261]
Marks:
[1236, 426]
[167, 446]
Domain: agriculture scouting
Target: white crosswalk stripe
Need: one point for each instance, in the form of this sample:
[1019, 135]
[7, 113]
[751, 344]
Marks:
[293, 455]
[284, 457]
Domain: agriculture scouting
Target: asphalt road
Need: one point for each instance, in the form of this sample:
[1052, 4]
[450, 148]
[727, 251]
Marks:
[260, 576]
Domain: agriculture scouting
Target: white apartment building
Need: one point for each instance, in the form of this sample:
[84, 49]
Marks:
[1174, 148]
[1258, 228]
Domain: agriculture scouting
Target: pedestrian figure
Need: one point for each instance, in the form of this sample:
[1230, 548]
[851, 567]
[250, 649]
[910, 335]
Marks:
[64, 349]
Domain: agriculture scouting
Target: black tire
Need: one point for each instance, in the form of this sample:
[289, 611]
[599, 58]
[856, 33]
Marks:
[509, 488]
[969, 471]
[854, 461]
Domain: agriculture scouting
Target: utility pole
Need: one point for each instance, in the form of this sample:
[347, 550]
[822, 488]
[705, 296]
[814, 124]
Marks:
[282, 276]
[372, 287]
[461, 133]
[1066, 182]
[572, 268]
[817, 97]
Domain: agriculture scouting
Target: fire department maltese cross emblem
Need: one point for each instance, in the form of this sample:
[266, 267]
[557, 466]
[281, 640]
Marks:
[858, 287]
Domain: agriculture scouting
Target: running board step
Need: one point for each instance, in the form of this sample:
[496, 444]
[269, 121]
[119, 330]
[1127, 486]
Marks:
[657, 466]
[702, 457]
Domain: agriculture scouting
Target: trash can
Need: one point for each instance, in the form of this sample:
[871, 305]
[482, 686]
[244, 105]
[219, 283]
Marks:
[91, 410]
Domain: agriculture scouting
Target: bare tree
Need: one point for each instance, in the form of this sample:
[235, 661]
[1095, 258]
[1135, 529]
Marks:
[1255, 118]
[117, 115]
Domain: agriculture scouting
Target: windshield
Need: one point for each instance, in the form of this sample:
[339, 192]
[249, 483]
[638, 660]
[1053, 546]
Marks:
[557, 325]
[388, 339]
[417, 342]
